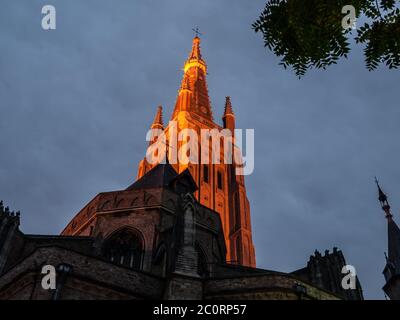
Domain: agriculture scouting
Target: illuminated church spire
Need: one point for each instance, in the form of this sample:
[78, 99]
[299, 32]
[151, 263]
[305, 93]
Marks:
[193, 93]
[219, 187]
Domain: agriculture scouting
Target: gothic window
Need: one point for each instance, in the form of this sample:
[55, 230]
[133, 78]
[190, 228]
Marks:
[238, 245]
[125, 248]
[246, 249]
[245, 210]
[160, 261]
[219, 180]
[202, 268]
[237, 210]
[206, 173]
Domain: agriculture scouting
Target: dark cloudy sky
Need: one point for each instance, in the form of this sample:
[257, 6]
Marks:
[76, 103]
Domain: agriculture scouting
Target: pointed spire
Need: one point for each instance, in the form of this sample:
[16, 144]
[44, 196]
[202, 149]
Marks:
[383, 200]
[158, 119]
[392, 268]
[195, 53]
[229, 117]
[193, 92]
[228, 107]
[195, 58]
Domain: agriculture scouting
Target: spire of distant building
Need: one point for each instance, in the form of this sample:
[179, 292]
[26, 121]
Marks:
[392, 268]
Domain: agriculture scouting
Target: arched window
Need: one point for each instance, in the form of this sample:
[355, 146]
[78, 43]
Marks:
[160, 260]
[238, 249]
[202, 268]
[237, 210]
[125, 247]
[220, 184]
[205, 173]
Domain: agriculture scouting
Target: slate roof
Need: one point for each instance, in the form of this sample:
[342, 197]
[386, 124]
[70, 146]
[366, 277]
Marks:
[160, 176]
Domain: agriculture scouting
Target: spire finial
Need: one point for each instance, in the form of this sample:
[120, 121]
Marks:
[197, 32]
[383, 200]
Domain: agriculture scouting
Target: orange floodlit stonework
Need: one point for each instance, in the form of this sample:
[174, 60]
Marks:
[185, 147]
[220, 188]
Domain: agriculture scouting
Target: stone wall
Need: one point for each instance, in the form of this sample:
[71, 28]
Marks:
[90, 278]
[268, 286]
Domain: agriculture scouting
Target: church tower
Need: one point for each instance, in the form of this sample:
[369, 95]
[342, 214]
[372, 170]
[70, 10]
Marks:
[392, 268]
[220, 188]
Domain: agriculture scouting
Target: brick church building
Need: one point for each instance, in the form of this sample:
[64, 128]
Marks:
[180, 231]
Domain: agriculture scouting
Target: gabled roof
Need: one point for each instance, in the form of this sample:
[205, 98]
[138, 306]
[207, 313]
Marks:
[164, 175]
[184, 182]
[160, 176]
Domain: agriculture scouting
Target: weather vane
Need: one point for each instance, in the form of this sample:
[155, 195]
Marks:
[197, 32]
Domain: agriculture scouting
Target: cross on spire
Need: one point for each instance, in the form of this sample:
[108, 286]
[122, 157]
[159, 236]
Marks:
[197, 32]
